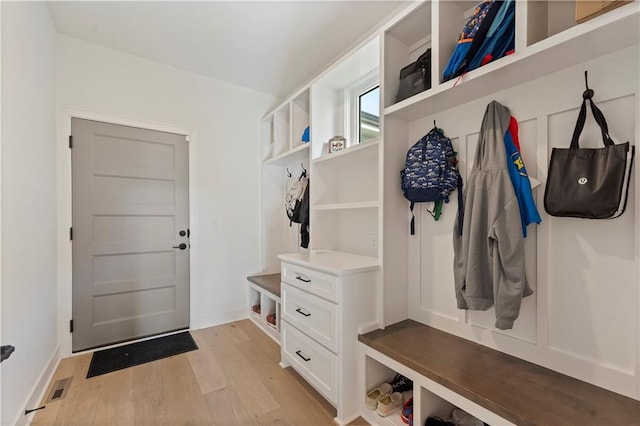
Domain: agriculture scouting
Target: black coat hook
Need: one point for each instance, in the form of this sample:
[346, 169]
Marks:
[288, 172]
[588, 94]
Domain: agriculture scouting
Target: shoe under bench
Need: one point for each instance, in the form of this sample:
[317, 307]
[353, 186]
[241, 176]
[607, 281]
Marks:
[448, 372]
[264, 291]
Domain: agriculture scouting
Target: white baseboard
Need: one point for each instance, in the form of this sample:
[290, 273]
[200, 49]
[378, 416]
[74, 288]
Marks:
[218, 318]
[38, 391]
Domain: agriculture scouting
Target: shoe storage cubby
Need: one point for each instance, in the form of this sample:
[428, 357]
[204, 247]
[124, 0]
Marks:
[264, 290]
[429, 398]
[255, 302]
[375, 374]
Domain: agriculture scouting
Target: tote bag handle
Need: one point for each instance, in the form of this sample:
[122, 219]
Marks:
[582, 117]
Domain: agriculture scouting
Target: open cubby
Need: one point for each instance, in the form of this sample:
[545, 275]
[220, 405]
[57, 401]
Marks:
[404, 42]
[299, 117]
[264, 290]
[432, 405]
[347, 179]
[350, 229]
[375, 374]
[266, 138]
[281, 130]
[254, 300]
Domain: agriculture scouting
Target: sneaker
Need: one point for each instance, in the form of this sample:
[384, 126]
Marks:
[389, 403]
[437, 421]
[462, 418]
[374, 395]
[407, 412]
[401, 384]
[271, 319]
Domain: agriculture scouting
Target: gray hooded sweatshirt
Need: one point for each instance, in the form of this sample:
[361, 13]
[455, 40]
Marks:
[489, 255]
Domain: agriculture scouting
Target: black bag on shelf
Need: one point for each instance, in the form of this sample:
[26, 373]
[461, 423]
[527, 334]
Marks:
[590, 183]
[415, 77]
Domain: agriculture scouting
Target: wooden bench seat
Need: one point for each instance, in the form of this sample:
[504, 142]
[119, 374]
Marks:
[517, 390]
[270, 283]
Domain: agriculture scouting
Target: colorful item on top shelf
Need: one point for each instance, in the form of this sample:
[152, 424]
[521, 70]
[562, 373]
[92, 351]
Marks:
[487, 35]
[498, 235]
[306, 136]
[589, 183]
[431, 173]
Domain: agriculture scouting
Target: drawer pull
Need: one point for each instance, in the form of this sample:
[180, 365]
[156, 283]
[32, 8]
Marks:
[304, 280]
[302, 356]
[301, 312]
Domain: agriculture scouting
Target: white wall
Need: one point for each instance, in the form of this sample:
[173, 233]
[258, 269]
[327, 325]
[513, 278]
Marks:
[28, 204]
[225, 159]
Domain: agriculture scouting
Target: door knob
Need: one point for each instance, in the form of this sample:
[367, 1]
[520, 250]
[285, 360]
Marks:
[182, 246]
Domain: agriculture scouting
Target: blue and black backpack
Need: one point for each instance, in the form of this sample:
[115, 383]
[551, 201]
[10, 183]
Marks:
[431, 174]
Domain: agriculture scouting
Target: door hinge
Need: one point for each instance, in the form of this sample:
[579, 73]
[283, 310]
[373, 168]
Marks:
[70, 326]
[70, 141]
[71, 234]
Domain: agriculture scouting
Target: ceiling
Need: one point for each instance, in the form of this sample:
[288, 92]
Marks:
[270, 46]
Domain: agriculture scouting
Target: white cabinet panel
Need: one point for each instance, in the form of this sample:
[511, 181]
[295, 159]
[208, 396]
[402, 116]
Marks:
[315, 317]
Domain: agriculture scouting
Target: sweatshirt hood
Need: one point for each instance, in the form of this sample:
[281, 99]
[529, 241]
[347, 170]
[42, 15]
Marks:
[490, 154]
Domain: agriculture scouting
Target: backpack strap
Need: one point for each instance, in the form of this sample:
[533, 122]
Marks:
[460, 204]
[413, 219]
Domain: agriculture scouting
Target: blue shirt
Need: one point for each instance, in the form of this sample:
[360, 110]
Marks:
[521, 185]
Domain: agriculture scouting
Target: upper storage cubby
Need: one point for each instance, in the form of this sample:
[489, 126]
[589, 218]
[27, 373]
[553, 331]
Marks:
[404, 42]
[330, 112]
[282, 131]
[547, 39]
[299, 118]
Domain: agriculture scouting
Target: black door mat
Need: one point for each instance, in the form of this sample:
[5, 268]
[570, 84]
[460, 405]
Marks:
[138, 353]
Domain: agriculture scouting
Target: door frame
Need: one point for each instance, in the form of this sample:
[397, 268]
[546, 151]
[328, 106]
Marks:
[64, 220]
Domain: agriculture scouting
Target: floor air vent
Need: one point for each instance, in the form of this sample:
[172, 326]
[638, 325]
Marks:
[59, 389]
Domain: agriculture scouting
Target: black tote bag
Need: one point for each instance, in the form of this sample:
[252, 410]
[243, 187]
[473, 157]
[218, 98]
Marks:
[590, 183]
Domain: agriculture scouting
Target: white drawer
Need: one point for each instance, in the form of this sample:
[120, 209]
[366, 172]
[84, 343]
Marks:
[314, 363]
[323, 285]
[312, 315]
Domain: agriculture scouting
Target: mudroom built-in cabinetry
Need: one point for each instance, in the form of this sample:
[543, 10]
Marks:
[582, 320]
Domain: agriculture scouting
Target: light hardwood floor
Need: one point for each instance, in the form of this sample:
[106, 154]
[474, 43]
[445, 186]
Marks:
[232, 379]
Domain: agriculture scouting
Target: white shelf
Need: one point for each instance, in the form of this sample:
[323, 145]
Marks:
[347, 206]
[577, 44]
[348, 151]
[334, 262]
[288, 156]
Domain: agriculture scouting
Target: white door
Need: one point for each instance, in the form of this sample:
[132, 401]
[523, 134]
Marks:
[130, 235]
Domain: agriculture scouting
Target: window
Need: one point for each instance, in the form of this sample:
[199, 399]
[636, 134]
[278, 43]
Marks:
[362, 108]
[369, 115]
